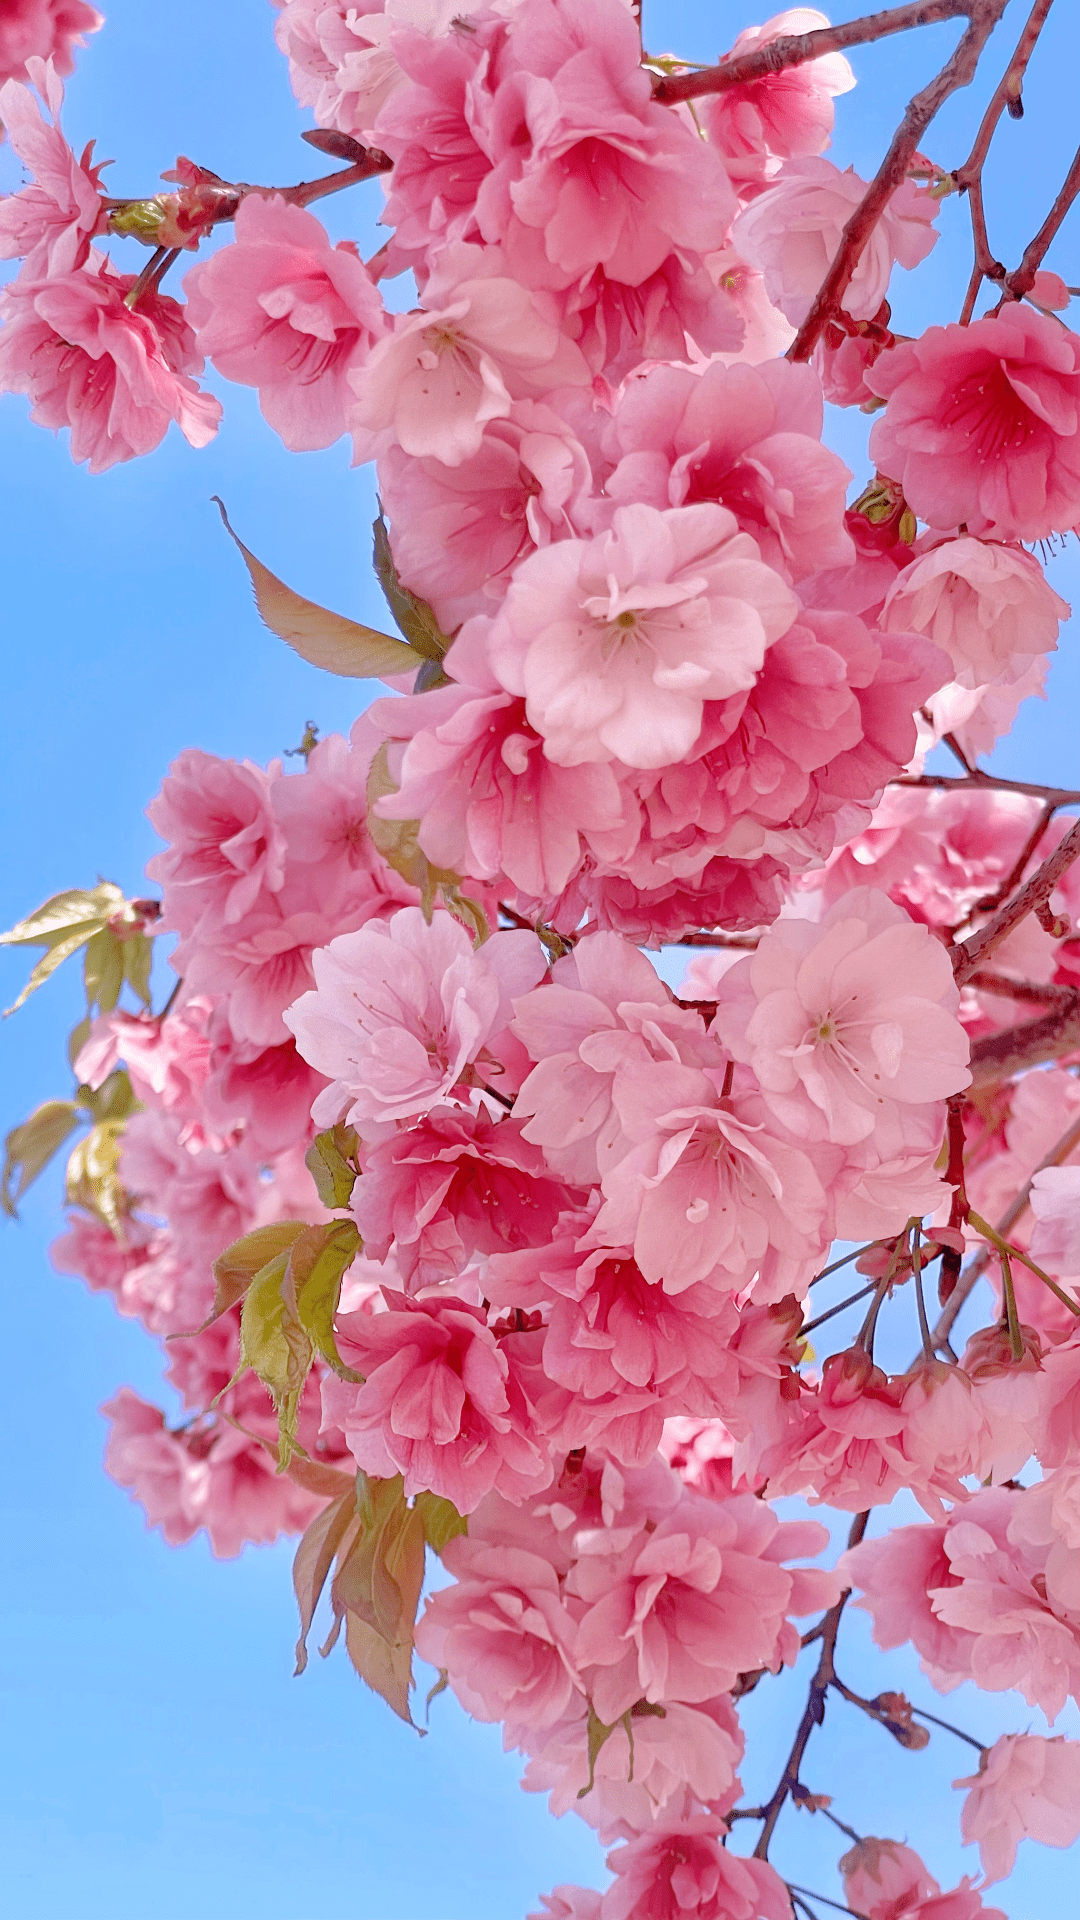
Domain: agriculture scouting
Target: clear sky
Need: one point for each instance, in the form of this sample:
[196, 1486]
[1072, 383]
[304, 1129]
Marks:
[158, 1757]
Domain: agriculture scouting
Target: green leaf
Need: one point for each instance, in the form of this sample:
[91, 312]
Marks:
[137, 953]
[113, 1100]
[103, 971]
[62, 913]
[322, 638]
[93, 1175]
[440, 1520]
[413, 616]
[59, 951]
[331, 1161]
[29, 1147]
[275, 1346]
[318, 1259]
[235, 1269]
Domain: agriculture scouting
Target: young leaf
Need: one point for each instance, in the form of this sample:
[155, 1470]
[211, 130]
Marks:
[318, 1258]
[66, 922]
[324, 639]
[103, 971]
[330, 1160]
[235, 1269]
[397, 841]
[29, 1148]
[93, 1179]
[439, 1518]
[275, 1346]
[137, 953]
[314, 1558]
[413, 616]
[377, 1589]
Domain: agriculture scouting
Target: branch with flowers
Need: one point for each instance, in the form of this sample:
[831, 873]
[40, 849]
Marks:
[464, 1233]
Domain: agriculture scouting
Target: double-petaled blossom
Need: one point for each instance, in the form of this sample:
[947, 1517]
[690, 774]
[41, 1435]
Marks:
[43, 30]
[792, 233]
[1055, 1202]
[117, 376]
[982, 425]
[684, 1872]
[50, 224]
[1025, 1788]
[401, 1009]
[884, 1880]
[760, 122]
[987, 605]
[284, 311]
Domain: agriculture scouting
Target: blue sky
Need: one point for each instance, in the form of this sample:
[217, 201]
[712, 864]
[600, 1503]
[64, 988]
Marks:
[159, 1758]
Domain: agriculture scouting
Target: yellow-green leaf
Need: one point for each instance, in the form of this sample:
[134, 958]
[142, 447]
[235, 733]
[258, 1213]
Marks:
[29, 1147]
[113, 1100]
[440, 1519]
[103, 970]
[235, 1269]
[60, 915]
[377, 1589]
[59, 951]
[93, 1175]
[414, 617]
[330, 1160]
[324, 639]
[276, 1347]
[137, 953]
[318, 1258]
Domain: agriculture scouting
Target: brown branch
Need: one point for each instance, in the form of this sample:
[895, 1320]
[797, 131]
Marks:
[794, 49]
[371, 163]
[958, 71]
[1043, 994]
[991, 782]
[1058, 1153]
[1005, 95]
[970, 953]
[814, 1711]
[1022, 277]
[1001, 1055]
[990, 901]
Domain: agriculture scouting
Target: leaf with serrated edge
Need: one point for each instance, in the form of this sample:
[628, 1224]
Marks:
[235, 1269]
[318, 1259]
[377, 1589]
[103, 971]
[324, 639]
[275, 1346]
[314, 1558]
[413, 615]
[30, 1146]
[78, 907]
[60, 951]
[92, 1180]
[137, 952]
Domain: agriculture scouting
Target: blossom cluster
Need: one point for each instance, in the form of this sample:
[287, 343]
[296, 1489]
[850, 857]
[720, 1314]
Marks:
[659, 683]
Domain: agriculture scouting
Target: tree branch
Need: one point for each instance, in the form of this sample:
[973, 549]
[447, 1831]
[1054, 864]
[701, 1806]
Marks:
[794, 49]
[1022, 277]
[970, 953]
[958, 71]
[1000, 1055]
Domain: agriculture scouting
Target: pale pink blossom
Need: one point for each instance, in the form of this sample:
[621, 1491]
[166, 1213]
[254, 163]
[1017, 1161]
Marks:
[846, 1020]
[617, 643]
[989, 606]
[225, 845]
[568, 1903]
[1055, 1202]
[684, 1872]
[284, 311]
[884, 1880]
[782, 114]
[402, 1008]
[1026, 1788]
[981, 425]
[118, 378]
[791, 233]
[47, 29]
[51, 223]
[439, 1404]
[687, 1754]
[431, 385]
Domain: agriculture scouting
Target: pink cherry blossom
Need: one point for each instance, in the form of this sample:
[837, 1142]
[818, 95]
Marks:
[432, 384]
[225, 845]
[504, 1634]
[792, 231]
[1055, 1202]
[847, 1020]
[51, 223]
[402, 1008]
[568, 1903]
[748, 438]
[46, 29]
[1026, 1787]
[284, 311]
[439, 1403]
[116, 377]
[689, 1754]
[782, 114]
[981, 425]
[683, 1870]
[680, 1611]
[616, 643]
[887, 1881]
[988, 606]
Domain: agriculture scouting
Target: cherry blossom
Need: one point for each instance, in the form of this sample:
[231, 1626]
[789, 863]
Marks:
[1025, 1787]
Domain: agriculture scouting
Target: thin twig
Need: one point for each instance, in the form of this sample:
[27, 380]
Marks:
[951, 783]
[949, 1728]
[839, 1308]
[970, 953]
[1021, 279]
[1016, 873]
